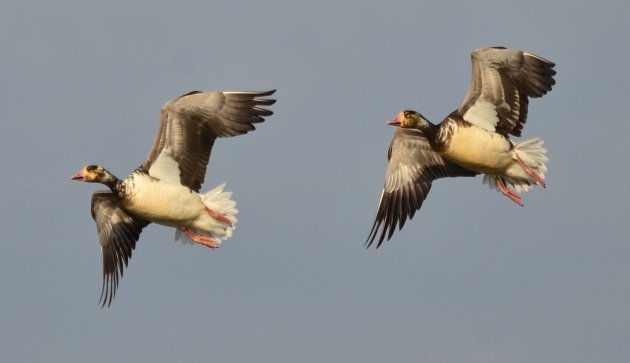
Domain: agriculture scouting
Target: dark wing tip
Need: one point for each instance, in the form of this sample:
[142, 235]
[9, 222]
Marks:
[118, 232]
[406, 188]
[110, 285]
[264, 101]
[378, 221]
[394, 209]
[532, 74]
[537, 77]
[250, 94]
[375, 232]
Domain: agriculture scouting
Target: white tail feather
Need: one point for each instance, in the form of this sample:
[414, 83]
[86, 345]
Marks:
[220, 202]
[534, 155]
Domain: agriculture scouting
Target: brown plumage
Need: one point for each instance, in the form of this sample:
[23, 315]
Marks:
[473, 139]
[412, 167]
[164, 189]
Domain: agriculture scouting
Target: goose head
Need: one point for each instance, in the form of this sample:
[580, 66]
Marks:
[409, 120]
[94, 174]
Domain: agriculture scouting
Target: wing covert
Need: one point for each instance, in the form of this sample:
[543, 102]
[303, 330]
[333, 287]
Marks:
[502, 80]
[190, 124]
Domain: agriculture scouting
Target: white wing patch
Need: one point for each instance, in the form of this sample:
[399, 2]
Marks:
[165, 168]
[483, 114]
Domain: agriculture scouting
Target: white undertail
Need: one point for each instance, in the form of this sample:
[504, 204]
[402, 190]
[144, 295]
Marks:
[221, 202]
[534, 155]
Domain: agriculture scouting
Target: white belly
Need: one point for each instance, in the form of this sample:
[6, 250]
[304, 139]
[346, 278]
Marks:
[479, 150]
[164, 203]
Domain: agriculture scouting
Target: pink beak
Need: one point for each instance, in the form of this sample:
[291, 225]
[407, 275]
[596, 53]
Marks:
[78, 176]
[394, 122]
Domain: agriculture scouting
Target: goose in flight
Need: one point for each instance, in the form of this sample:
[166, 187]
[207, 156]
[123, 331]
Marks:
[472, 140]
[165, 188]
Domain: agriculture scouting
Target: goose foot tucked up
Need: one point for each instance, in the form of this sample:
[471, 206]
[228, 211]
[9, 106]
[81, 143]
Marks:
[201, 239]
[539, 180]
[219, 216]
[513, 195]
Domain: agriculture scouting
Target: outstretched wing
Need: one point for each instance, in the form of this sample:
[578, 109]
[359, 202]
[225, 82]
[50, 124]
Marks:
[118, 232]
[502, 81]
[412, 167]
[189, 124]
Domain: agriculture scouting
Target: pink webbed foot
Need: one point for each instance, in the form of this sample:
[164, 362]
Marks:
[534, 175]
[219, 216]
[200, 239]
[513, 195]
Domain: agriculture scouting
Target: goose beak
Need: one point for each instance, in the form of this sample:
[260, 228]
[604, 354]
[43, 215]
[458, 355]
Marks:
[395, 121]
[78, 176]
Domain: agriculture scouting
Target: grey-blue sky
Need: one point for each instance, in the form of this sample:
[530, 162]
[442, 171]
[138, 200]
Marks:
[472, 278]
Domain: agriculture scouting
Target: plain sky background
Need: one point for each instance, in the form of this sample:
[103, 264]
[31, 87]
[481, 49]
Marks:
[472, 278]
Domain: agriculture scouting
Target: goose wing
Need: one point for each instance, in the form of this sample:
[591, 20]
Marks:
[190, 124]
[413, 165]
[118, 232]
[502, 81]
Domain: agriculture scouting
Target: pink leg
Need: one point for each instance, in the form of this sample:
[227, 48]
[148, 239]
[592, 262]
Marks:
[509, 192]
[219, 216]
[198, 238]
[531, 172]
